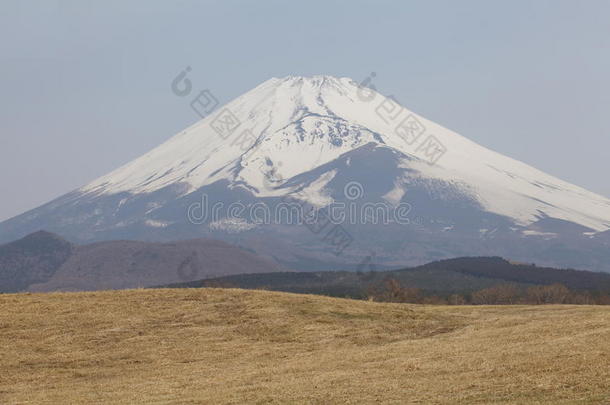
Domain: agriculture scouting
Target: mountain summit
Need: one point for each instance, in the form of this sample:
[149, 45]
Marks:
[303, 123]
[331, 142]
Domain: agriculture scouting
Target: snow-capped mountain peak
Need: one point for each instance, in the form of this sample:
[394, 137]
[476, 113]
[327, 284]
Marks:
[293, 125]
[308, 138]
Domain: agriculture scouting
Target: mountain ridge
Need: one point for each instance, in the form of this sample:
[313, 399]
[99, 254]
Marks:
[463, 275]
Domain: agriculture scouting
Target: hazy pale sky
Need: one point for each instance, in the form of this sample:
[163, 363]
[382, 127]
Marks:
[86, 84]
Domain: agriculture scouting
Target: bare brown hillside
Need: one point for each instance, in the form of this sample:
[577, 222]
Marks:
[193, 346]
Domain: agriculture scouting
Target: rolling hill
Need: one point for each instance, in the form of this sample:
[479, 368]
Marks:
[44, 261]
[193, 346]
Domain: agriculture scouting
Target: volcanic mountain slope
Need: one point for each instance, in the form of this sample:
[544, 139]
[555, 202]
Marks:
[328, 142]
[45, 262]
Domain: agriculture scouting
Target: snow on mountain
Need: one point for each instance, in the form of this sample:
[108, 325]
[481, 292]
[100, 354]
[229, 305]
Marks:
[294, 125]
[311, 139]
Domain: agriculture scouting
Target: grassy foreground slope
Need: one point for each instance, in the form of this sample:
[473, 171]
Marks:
[237, 346]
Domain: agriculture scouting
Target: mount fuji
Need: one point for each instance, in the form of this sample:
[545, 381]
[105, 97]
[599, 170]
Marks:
[339, 147]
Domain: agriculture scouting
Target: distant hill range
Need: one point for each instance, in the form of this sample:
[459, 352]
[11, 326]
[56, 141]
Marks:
[461, 275]
[44, 261]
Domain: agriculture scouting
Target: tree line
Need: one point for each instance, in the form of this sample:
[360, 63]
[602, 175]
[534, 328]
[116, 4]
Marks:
[391, 290]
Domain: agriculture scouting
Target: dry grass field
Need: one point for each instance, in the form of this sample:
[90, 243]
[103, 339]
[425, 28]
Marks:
[226, 346]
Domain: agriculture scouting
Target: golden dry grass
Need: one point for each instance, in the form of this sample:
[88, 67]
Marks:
[236, 346]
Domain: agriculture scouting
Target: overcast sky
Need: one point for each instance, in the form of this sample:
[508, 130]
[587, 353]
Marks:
[86, 85]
